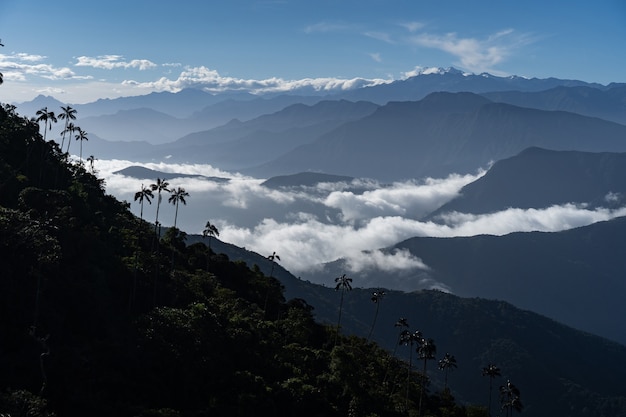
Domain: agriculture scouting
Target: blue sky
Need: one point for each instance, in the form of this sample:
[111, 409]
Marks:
[79, 51]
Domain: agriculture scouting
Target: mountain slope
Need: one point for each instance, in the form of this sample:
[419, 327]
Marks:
[443, 133]
[556, 367]
[573, 276]
[237, 144]
[608, 104]
[539, 178]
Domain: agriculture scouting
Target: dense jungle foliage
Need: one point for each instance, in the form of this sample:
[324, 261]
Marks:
[99, 316]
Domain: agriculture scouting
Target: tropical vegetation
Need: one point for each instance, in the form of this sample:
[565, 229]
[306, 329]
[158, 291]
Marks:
[92, 332]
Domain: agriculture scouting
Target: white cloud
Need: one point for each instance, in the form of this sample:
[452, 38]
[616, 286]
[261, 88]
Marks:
[311, 226]
[412, 26]
[381, 36]
[210, 80]
[16, 67]
[376, 56]
[477, 55]
[110, 62]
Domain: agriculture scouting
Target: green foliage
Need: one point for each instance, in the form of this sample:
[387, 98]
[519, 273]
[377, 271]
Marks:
[104, 322]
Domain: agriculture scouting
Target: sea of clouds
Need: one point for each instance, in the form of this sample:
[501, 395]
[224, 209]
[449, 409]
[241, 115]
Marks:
[310, 226]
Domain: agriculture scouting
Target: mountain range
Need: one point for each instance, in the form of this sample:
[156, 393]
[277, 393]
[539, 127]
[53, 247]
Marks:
[546, 306]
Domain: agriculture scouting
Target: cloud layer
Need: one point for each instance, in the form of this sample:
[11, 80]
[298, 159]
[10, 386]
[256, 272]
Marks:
[310, 226]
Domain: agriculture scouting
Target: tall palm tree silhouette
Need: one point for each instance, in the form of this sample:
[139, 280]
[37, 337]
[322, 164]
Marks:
[68, 114]
[273, 258]
[491, 371]
[344, 284]
[48, 117]
[426, 350]
[178, 196]
[447, 363]
[81, 136]
[92, 159]
[70, 128]
[144, 194]
[1, 76]
[402, 322]
[510, 398]
[210, 230]
[159, 186]
[409, 339]
[377, 297]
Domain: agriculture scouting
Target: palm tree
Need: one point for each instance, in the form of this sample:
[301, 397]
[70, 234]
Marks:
[447, 363]
[81, 136]
[426, 350]
[178, 195]
[1, 76]
[377, 297]
[491, 371]
[47, 117]
[68, 115]
[402, 322]
[408, 339]
[210, 230]
[144, 194]
[70, 128]
[273, 258]
[509, 398]
[160, 185]
[92, 159]
[345, 284]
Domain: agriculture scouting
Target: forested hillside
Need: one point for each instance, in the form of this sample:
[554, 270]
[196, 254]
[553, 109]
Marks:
[103, 314]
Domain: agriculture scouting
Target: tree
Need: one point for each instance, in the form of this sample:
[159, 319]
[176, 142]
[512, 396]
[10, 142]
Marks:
[144, 194]
[159, 186]
[47, 117]
[178, 195]
[68, 114]
[70, 128]
[426, 350]
[210, 230]
[491, 371]
[447, 363]
[377, 297]
[344, 284]
[510, 398]
[1, 76]
[92, 159]
[81, 136]
[273, 258]
[409, 339]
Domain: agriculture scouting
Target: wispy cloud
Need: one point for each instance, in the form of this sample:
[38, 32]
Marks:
[477, 55]
[110, 62]
[376, 56]
[381, 36]
[413, 26]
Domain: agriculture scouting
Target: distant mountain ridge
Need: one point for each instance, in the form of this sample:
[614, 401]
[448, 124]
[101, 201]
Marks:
[442, 134]
[574, 276]
[539, 178]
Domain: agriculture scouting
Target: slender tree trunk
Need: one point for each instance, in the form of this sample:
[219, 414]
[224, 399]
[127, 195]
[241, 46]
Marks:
[419, 410]
[374, 321]
[339, 319]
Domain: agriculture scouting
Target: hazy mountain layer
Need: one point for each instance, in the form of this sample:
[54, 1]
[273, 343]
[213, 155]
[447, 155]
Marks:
[539, 178]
